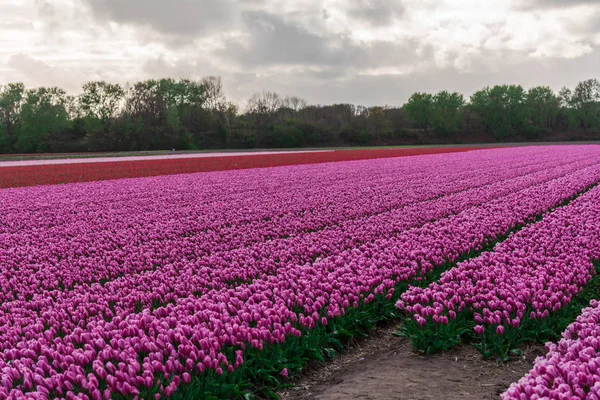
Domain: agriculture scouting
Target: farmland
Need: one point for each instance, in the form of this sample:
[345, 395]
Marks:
[48, 172]
[222, 277]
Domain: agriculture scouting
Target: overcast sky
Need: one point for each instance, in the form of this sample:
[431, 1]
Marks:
[370, 52]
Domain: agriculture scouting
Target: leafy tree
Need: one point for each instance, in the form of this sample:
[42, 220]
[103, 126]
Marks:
[447, 112]
[188, 114]
[286, 135]
[99, 105]
[43, 114]
[419, 108]
[542, 107]
[585, 102]
[161, 107]
[11, 101]
[501, 109]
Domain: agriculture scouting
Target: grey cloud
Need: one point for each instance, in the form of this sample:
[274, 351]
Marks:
[291, 52]
[375, 12]
[29, 66]
[545, 4]
[37, 73]
[592, 25]
[49, 15]
[160, 67]
[45, 9]
[395, 89]
[272, 41]
[173, 17]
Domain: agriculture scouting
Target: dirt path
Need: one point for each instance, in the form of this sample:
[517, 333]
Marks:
[384, 367]
[174, 156]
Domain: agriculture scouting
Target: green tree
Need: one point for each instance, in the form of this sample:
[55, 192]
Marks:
[419, 109]
[43, 115]
[585, 103]
[501, 109]
[164, 109]
[542, 110]
[98, 108]
[11, 101]
[447, 112]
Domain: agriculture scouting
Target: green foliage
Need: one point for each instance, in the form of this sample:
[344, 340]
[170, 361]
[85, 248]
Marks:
[542, 108]
[535, 330]
[5, 143]
[433, 338]
[447, 113]
[501, 109]
[419, 108]
[585, 104]
[260, 374]
[189, 115]
[354, 137]
[43, 113]
[11, 101]
[293, 133]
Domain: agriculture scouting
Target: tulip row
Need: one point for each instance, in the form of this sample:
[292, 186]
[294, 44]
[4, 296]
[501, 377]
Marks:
[134, 232]
[11, 177]
[92, 340]
[124, 244]
[62, 312]
[527, 288]
[571, 369]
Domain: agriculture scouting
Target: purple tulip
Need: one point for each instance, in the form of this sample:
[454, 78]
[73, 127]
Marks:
[177, 268]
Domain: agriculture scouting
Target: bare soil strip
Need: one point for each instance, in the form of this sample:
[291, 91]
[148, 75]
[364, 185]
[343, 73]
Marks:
[383, 366]
[60, 161]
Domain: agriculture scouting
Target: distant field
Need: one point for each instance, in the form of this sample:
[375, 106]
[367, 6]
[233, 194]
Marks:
[51, 156]
[148, 157]
[32, 172]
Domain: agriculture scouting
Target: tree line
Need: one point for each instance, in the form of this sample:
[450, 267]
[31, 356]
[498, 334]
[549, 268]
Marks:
[189, 115]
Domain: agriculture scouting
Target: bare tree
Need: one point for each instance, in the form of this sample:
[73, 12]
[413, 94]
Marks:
[215, 95]
[294, 103]
[101, 99]
[264, 103]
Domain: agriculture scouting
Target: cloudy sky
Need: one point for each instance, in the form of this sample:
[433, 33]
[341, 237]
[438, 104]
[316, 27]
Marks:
[370, 52]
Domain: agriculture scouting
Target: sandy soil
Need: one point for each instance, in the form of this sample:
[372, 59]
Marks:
[59, 161]
[385, 367]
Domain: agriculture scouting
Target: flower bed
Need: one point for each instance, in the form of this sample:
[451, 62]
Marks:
[95, 171]
[571, 369]
[520, 291]
[136, 287]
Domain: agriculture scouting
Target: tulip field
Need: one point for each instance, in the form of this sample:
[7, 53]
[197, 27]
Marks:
[48, 172]
[570, 367]
[224, 284]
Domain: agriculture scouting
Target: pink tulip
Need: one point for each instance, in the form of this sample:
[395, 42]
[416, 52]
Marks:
[168, 272]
